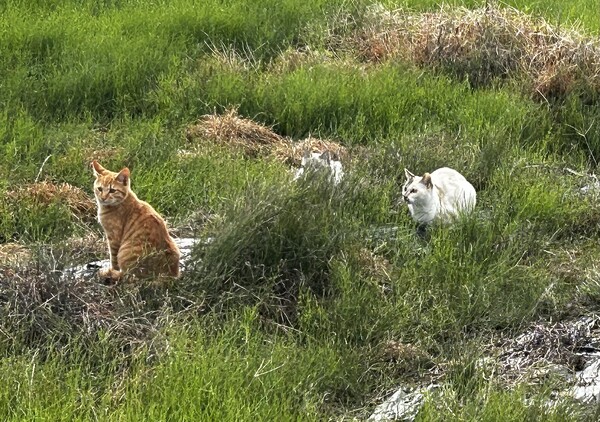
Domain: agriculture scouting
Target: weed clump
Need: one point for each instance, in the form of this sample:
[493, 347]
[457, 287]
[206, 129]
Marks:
[484, 45]
[41, 310]
[44, 210]
[229, 128]
[292, 153]
[256, 140]
[546, 344]
[48, 306]
[46, 193]
[13, 254]
[271, 245]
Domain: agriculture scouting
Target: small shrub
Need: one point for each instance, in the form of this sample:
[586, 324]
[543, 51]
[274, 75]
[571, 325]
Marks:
[270, 243]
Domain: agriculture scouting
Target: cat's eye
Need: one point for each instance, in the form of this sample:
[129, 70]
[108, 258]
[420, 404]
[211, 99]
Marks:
[111, 190]
[413, 190]
[99, 189]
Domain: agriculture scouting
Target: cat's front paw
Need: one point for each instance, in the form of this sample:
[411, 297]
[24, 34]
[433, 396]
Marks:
[109, 276]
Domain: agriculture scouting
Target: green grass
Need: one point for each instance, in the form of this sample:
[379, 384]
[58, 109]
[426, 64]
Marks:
[285, 315]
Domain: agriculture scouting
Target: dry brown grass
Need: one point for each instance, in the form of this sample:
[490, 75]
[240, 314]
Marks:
[46, 193]
[544, 345]
[293, 59]
[254, 139]
[45, 306]
[482, 45]
[232, 130]
[374, 265]
[14, 254]
[291, 153]
[41, 310]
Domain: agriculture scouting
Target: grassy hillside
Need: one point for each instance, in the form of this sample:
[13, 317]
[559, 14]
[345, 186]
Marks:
[312, 302]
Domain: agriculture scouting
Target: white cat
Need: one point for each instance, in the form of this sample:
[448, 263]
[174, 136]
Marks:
[442, 195]
[315, 161]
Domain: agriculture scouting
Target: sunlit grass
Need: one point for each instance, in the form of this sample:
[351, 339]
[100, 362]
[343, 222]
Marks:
[285, 313]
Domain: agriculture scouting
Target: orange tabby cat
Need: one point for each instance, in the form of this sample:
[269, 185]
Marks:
[138, 240]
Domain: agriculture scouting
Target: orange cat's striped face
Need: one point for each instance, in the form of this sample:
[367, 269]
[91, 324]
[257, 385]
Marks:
[110, 188]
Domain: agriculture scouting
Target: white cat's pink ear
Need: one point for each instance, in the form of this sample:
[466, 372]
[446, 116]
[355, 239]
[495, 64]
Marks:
[408, 174]
[123, 177]
[426, 180]
[98, 169]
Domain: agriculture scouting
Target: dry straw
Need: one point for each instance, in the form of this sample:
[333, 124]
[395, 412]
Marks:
[542, 346]
[485, 44]
[45, 307]
[254, 139]
[292, 153]
[14, 254]
[46, 193]
[232, 130]
[42, 309]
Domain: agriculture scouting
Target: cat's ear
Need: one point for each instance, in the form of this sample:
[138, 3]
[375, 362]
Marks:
[123, 177]
[408, 174]
[326, 156]
[98, 169]
[426, 180]
[307, 153]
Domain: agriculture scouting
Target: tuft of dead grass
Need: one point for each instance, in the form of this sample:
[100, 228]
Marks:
[546, 345]
[42, 309]
[47, 308]
[230, 129]
[375, 265]
[484, 44]
[293, 59]
[292, 153]
[102, 155]
[46, 193]
[14, 254]
[254, 139]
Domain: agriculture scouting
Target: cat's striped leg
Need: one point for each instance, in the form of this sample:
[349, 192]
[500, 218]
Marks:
[113, 250]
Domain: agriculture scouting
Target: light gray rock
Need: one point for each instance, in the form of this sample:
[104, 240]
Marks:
[587, 388]
[403, 405]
